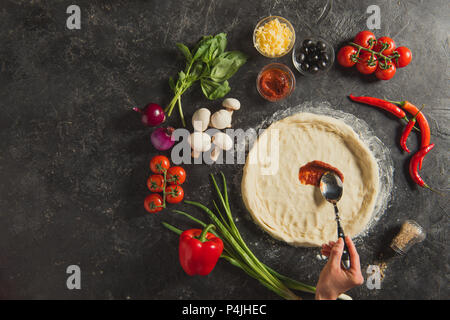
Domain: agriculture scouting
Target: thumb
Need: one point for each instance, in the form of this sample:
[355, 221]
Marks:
[336, 253]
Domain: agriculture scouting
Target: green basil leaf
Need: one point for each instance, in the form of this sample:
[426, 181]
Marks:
[196, 71]
[217, 47]
[212, 51]
[215, 53]
[214, 90]
[209, 48]
[223, 70]
[202, 47]
[236, 56]
[185, 50]
[226, 65]
[202, 41]
[207, 87]
[206, 71]
[222, 42]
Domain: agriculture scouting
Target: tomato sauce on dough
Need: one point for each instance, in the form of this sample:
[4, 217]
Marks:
[311, 172]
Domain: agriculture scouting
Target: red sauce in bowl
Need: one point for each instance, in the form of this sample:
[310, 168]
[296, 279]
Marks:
[274, 83]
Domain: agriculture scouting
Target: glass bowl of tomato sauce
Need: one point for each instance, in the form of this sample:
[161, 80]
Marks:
[275, 82]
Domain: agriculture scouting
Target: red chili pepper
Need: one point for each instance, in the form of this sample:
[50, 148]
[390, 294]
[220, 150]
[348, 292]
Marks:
[414, 162]
[407, 131]
[383, 104]
[425, 132]
[199, 251]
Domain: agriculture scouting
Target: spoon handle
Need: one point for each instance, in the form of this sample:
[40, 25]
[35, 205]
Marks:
[345, 255]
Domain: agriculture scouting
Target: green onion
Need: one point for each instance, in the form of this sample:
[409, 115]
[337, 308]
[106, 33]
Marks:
[237, 252]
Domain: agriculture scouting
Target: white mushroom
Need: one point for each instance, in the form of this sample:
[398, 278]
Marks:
[221, 141]
[200, 119]
[221, 119]
[231, 104]
[200, 142]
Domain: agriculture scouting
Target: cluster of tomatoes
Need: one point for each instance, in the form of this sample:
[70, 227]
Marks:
[166, 180]
[370, 55]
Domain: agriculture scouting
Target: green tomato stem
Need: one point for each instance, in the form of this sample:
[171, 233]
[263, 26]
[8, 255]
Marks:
[378, 54]
[164, 187]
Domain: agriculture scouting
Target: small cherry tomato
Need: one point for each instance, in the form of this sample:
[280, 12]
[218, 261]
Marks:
[159, 163]
[405, 57]
[174, 194]
[389, 50]
[176, 175]
[365, 39]
[155, 183]
[153, 203]
[367, 63]
[345, 56]
[385, 74]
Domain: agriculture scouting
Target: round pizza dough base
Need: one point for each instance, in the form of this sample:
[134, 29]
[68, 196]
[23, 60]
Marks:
[297, 213]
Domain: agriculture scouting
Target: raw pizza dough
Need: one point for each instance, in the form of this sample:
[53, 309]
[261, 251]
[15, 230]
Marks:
[297, 213]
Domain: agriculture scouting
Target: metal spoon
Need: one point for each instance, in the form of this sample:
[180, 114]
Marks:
[331, 188]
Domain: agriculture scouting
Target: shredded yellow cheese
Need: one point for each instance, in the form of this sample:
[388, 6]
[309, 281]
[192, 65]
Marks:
[273, 38]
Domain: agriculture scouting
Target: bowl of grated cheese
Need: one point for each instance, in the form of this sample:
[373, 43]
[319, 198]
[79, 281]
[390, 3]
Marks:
[274, 36]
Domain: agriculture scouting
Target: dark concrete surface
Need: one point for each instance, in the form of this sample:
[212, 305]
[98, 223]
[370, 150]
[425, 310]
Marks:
[74, 158]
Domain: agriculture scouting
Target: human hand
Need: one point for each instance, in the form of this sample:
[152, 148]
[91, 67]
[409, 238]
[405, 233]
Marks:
[334, 279]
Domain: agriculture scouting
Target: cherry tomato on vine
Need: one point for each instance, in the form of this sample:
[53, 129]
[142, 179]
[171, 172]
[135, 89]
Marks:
[174, 194]
[367, 64]
[153, 203]
[176, 175]
[365, 39]
[388, 51]
[386, 74]
[159, 163]
[405, 57]
[345, 56]
[155, 183]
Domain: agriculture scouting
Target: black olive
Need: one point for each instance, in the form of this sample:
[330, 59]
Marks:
[308, 43]
[322, 64]
[305, 66]
[305, 50]
[301, 57]
[324, 57]
[313, 69]
[315, 58]
[310, 53]
[321, 45]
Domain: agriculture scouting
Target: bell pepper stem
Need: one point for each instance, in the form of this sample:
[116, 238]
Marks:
[202, 237]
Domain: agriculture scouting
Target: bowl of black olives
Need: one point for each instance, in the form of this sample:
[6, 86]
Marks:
[313, 56]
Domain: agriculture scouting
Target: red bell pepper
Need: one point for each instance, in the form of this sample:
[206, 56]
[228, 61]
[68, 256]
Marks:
[199, 251]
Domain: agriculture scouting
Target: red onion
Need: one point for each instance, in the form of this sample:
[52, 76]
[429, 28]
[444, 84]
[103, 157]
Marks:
[162, 138]
[152, 115]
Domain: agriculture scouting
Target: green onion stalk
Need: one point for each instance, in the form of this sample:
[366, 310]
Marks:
[237, 252]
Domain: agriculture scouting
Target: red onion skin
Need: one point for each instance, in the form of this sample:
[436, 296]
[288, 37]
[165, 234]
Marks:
[152, 115]
[162, 138]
